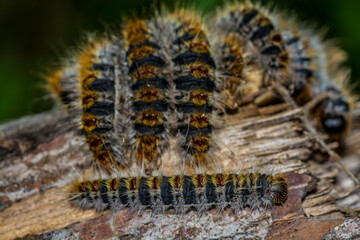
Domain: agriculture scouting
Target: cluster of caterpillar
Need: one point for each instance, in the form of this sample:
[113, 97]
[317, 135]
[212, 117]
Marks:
[181, 192]
[138, 89]
[163, 79]
[292, 57]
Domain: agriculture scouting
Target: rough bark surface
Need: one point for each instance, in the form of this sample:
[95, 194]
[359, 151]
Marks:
[42, 154]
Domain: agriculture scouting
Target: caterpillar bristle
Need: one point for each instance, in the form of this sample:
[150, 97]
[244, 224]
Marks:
[182, 192]
[53, 82]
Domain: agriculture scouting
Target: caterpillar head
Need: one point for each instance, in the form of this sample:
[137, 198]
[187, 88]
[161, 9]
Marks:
[334, 113]
[279, 190]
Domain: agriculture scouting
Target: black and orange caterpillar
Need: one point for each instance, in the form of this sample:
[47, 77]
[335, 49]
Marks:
[181, 192]
[166, 77]
[88, 89]
[149, 87]
[315, 73]
[194, 78]
[98, 97]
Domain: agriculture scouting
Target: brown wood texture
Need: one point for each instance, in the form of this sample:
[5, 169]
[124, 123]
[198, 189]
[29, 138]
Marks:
[41, 155]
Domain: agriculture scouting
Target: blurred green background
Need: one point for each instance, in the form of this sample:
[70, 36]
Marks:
[35, 34]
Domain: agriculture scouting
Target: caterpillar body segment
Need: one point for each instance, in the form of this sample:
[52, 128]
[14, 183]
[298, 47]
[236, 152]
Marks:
[181, 192]
[100, 118]
[149, 89]
[195, 82]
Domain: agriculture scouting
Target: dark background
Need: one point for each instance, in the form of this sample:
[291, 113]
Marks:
[35, 34]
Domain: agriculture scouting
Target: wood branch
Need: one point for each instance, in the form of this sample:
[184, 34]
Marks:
[42, 154]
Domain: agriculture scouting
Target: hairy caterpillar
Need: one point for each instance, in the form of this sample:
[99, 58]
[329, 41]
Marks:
[88, 89]
[97, 78]
[149, 86]
[333, 113]
[254, 25]
[313, 76]
[200, 191]
[194, 78]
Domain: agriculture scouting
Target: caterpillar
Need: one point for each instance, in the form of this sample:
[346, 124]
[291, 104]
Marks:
[149, 87]
[311, 67]
[99, 103]
[254, 32]
[254, 25]
[194, 79]
[181, 192]
[87, 88]
[333, 113]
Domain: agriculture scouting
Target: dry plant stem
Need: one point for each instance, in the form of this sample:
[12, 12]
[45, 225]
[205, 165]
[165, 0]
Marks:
[333, 155]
